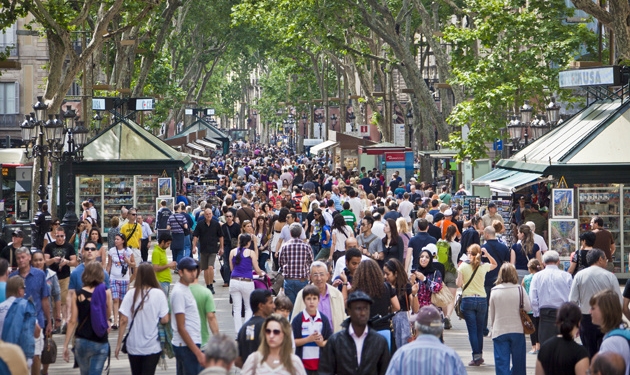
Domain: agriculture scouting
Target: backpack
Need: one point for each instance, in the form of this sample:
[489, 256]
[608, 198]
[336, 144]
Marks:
[19, 326]
[623, 332]
[444, 255]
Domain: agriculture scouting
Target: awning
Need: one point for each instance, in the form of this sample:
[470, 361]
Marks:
[322, 146]
[207, 144]
[494, 175]
[214, 141]
[196, 157]
[443, 153]
[195, 147]
[517, 181]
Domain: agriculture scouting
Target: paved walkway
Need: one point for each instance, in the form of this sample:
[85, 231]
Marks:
[457, 338]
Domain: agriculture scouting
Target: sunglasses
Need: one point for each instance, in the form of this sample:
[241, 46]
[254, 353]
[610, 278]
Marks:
[274, 331]
[89, 248]
[132, 214]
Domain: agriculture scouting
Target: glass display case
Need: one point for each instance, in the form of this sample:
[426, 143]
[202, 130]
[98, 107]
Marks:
[605, 202]
[110, 193]
[146, 191]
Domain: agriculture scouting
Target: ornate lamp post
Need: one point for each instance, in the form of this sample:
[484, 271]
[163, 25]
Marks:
[353, 126]
[526, 118]
[334, 119]
[514, 129]
[553, 112]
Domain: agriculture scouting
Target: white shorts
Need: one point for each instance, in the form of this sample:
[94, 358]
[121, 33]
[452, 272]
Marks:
[39, 343]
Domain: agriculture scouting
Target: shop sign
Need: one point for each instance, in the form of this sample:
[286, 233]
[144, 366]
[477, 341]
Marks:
[399, 134]
[609, 75]
[394, 156]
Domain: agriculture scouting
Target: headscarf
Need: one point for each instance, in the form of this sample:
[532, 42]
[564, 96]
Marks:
[429, 269]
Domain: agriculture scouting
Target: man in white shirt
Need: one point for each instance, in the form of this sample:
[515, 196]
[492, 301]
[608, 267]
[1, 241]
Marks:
[356, 205]
[378, 228]
[538, 239]
[549, 289]
[586, 284]
[405, 208]
[185, 321]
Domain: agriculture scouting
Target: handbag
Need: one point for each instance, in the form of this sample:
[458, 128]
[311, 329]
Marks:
[123, 265]
[186, 230]
[443, 298]
[49, 353]
[458, 303]
[526, 321]
[412, 319]
[133, 319]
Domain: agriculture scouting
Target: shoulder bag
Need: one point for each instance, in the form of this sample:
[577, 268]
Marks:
[526, 321]
[186, 230]
[458, 303]
[133, 319]
[443, 298]
[124, 267]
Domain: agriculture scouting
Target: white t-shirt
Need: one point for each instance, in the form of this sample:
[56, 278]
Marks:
[456, 247]
[143, 338]
[183, 302]
[619, 345]
[379, 229]
[405, 209]
[116, 271]
[4, 308]
[356, 205]
[341, 238]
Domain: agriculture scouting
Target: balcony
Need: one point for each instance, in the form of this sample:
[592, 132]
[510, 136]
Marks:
[10, 121]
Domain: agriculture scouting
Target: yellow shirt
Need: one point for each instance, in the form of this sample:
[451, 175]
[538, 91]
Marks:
[158, 258]
[133, 236]
[476, 286]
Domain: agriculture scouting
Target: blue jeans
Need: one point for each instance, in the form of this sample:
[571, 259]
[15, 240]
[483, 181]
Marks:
[506, 346]
[186, 361]
[187, 246]
[177, 254]
[486, 330]
[90, 356]
[474, 310]
[166, 287]
[292, 288]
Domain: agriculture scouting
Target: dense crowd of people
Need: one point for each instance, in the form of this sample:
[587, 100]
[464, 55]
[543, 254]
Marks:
[330, 271]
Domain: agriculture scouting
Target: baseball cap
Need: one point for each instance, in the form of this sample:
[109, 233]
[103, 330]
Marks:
[359, 296]
[431, 247]
[187, 263]
[18, 233]
[429, 316]
[448, 212]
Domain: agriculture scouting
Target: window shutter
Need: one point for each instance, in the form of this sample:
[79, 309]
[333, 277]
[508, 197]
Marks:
[17, 98]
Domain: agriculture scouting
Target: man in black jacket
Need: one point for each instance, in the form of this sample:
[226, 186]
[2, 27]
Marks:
[357, 349]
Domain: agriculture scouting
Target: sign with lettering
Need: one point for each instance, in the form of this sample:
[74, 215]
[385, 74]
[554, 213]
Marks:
[394, 156]
[602, 76]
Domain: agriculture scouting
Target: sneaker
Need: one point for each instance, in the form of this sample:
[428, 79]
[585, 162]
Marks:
[211, 287]
[447, 323]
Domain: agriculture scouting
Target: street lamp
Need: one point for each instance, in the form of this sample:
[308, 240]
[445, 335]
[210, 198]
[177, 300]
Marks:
[410, 125]
[319, 117]
[514, 129]
[334, 119]
[553, 112]
[304, 125]
[353, 126]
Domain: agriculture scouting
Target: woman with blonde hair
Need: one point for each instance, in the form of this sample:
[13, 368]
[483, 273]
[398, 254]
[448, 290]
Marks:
[275, 353]
[420, 214]
[505, 319]
[471, 276]
[405, 234]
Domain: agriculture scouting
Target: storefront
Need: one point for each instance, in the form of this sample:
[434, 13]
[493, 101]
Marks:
[347, 151]
[125, 166]
[388, 158]
[587, 156]
[200, 138]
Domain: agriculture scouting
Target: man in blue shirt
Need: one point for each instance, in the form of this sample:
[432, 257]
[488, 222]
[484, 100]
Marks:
[36, 289]
[501, 254]
[89, 255]
[417, 242]
[427, 354]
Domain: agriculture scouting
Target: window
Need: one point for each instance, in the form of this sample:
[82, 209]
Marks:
[9, 98]
[8, 38]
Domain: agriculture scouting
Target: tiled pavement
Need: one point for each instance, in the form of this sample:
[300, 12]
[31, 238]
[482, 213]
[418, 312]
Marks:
[456, 338]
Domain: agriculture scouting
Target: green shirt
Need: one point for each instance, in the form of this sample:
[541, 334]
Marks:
[158, 258]
[446, 198]
[205, 305]
[349, 217]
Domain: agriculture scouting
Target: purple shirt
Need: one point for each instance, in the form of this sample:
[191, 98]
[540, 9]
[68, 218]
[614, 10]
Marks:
[324, 307]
